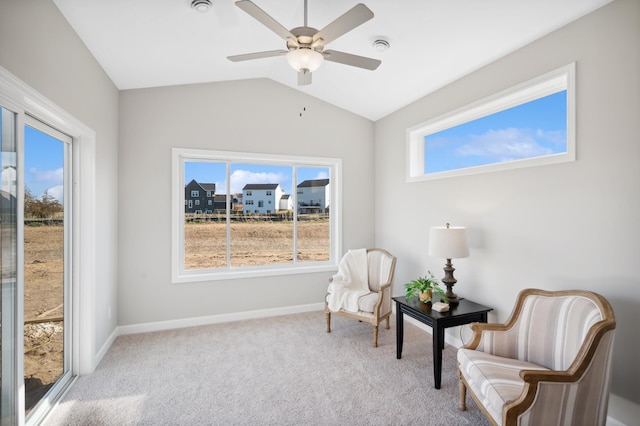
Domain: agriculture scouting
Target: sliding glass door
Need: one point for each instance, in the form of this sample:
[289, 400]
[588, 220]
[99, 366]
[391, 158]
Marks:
[35, 221]
[47, 272]
[8, 268]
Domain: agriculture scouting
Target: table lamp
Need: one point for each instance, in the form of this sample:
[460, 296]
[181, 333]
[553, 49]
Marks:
[449, 242]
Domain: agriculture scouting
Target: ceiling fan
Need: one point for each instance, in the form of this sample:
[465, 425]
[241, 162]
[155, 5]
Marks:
[305, 45]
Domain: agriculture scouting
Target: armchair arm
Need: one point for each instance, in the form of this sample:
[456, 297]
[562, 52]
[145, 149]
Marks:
[487, 332]
[383, 305]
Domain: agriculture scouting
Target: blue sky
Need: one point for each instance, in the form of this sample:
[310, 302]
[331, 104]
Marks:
[529, 130]
[44, 160]
[242, 174]
[43, 163]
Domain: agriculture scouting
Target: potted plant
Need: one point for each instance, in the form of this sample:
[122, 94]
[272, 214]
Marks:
[425, 288]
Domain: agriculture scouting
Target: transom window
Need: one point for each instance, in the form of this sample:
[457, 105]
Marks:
[527, 125]
[241, 239]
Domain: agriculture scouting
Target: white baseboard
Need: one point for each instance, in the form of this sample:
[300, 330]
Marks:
[622, 412]
[105, 348]
[216, 319]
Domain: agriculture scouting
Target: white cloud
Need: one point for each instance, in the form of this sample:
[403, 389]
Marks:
[505, 144]
[54, 177]
[556, 137]
[38, 181]
[239, 178]
[322, 175]
[56, 192]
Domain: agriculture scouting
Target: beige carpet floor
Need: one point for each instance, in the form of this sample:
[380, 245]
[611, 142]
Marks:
[283, 370]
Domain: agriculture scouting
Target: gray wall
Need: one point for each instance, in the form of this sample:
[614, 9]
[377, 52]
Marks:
[39, 47]
[561, 226]
[564, 226]
[249, 116]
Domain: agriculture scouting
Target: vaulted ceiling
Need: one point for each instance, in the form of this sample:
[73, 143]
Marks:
[149, 43]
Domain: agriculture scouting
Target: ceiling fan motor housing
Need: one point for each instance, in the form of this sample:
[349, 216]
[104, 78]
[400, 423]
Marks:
[304, 39]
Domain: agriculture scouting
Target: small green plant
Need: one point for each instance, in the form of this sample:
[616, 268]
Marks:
[423, 285]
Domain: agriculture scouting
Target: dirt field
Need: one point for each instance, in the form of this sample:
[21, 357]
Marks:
[43, 299]
[253, 243]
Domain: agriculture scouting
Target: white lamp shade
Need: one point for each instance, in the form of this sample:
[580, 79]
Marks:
[304, 59]
[448, 243]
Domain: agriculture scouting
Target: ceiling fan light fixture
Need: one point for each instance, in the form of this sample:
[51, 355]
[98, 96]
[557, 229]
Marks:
[304, 59]
[201, 6]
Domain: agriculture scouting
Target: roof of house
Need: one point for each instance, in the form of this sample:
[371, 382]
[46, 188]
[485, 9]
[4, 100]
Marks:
[285, 197]
[314, 182]
[205, 186]
[260, 186]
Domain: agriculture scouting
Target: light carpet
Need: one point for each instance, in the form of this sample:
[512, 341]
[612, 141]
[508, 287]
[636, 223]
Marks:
[283, 370]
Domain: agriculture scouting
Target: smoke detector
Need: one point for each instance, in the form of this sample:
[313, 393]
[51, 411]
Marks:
[381, 45]
[201, 6]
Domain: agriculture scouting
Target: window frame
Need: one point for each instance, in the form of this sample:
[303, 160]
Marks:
[552, 82]
[182, 155]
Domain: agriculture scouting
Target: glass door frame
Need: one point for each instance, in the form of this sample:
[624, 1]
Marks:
[46, 402]
[13, 327]
[21, 99]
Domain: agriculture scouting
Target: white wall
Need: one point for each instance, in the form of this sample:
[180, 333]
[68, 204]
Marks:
[39, 47]
[572, 225]
[250, 116]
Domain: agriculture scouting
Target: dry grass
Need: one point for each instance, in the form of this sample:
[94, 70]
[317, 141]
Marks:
[254, 243]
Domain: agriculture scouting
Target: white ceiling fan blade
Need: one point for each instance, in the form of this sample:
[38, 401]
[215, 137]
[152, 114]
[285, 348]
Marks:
[350, 59]
[266, 20]
[257, 55]
[351, 19]
[304, 77]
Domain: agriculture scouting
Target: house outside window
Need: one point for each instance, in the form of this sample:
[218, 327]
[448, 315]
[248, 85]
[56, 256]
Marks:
[314, 196]
[287, 245]
[195, 194]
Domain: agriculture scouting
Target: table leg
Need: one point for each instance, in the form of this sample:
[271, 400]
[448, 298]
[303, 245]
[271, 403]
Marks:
[438, 345]
[399, 331]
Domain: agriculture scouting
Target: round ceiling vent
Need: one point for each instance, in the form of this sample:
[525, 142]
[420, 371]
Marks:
[201, 5]
[381, 45]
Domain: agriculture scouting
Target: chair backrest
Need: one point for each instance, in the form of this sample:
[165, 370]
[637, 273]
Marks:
[381, 267]
[550, 328]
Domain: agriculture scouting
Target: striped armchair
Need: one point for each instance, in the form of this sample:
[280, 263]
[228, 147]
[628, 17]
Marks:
[375, 306]
[550, 363]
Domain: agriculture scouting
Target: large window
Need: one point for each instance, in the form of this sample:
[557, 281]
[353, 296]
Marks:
[245, 236]
[530, 124]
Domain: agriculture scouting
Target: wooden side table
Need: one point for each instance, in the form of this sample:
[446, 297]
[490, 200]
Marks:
[465, 312]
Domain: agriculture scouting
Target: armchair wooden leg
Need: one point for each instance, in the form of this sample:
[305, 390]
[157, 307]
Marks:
[375, 336]
[387, 323]
[463, 395]
[328, 322]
